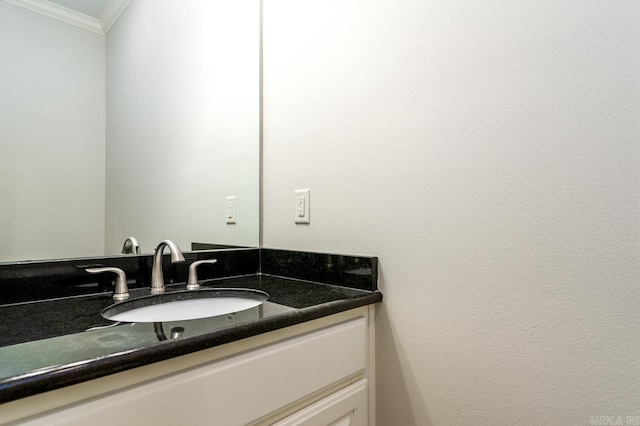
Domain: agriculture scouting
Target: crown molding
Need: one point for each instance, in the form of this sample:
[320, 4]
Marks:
[111, 13]
[107, 18]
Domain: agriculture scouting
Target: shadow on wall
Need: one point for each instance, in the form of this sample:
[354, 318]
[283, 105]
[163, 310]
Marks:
[398, 396]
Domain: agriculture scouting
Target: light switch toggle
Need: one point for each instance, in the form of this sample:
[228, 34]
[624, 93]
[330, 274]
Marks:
[231, 210]
[302, 206]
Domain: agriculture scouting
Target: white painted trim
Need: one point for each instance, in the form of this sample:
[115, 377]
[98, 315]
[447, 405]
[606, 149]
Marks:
[108, 16]
[61, 13]
[111, 13]
[371, 362]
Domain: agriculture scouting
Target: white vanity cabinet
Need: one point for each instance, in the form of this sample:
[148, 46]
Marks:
[314, 374]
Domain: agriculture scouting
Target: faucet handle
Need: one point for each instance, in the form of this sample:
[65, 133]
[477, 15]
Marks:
[192, 281]
[122, 291]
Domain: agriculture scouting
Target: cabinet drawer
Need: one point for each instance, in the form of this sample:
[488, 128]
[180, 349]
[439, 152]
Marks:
[347, 407]
[231, 391]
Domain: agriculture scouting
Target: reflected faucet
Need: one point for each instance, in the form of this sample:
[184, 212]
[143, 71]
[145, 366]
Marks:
[131, 246]
[157, 279]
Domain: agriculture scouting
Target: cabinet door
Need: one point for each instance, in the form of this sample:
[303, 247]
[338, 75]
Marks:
[346, 407]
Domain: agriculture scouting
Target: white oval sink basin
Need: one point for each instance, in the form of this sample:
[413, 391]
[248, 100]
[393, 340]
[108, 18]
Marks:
[185, 305]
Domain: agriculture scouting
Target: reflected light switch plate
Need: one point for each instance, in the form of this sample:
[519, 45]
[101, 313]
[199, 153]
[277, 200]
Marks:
[302, 206]
[231, 210]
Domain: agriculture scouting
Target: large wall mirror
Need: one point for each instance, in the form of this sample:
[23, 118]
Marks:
[139, 120]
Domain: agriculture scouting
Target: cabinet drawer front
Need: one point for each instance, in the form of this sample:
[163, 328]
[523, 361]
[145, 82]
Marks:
[347, 407]
[232, 391]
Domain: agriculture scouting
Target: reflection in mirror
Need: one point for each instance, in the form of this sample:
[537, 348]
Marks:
[141, 132]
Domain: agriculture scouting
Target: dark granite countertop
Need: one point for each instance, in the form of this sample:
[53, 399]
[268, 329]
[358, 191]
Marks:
[49, 344]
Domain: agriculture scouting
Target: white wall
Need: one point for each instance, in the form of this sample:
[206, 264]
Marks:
[183, 93]
[488, 153]
[51, 104]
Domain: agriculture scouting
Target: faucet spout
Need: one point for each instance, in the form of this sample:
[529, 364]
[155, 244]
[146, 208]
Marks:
[131, 246]
[157, 278]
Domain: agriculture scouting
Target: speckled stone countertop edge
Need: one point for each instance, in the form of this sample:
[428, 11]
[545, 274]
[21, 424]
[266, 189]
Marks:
[66, 375]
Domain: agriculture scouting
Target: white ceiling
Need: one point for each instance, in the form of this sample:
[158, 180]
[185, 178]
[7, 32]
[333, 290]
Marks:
[88, 7]
[93, 15]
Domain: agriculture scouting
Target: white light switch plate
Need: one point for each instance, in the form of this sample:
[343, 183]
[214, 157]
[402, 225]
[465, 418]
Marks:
[231, 210]
[302, 206]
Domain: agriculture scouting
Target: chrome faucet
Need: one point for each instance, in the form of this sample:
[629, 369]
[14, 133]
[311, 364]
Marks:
[192, 281]
[157, 279]
[131, 246]
[122, 291]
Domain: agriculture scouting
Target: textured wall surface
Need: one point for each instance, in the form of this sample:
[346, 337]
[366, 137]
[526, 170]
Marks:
[52, 136]
[488, 152]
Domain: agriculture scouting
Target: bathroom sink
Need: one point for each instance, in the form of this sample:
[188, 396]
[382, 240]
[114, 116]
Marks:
[185, 305]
